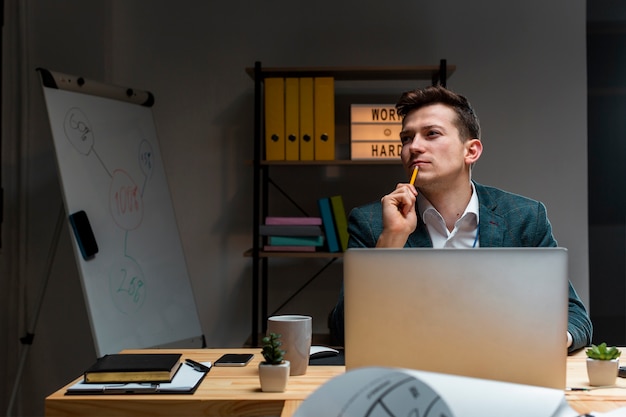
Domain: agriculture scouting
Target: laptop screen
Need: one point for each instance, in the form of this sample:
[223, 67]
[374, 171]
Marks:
[492, 313]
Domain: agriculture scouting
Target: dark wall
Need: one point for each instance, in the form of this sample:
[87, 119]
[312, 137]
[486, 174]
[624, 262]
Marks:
[606, 72]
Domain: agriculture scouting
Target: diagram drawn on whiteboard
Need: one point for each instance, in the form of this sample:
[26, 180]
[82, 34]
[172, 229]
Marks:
[127, 283]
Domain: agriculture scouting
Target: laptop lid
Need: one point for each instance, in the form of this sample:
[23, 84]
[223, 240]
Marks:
[492, 313]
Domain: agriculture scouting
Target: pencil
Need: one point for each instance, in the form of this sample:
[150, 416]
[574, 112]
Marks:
[414, 175]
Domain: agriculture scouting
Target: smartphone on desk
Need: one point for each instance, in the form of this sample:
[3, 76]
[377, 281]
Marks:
[234, 359]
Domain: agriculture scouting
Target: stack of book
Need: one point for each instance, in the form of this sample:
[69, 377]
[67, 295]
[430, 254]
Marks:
[292, 234]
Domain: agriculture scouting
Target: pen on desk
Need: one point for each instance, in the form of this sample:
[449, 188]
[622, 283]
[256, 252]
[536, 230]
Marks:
[117, 389]
[576, 389]
[414, 175]
[197, 365]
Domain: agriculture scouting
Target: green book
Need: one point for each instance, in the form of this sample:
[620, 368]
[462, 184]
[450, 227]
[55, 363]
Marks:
[341, 221]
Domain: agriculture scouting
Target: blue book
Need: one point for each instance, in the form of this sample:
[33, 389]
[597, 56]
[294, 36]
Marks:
[326, 212]
[296, 240]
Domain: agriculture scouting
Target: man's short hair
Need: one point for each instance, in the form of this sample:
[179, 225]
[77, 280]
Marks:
[467, 122]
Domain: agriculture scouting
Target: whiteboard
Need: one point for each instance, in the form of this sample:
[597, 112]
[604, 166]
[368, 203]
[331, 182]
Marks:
[136, 287]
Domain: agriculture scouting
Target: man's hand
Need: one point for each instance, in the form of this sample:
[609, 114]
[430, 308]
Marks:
[399, 216]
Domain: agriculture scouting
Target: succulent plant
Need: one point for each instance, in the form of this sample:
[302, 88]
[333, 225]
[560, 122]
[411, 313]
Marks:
[272, 353]
[602, 352]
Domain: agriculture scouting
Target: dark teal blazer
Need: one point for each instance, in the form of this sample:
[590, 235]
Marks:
[506, 220]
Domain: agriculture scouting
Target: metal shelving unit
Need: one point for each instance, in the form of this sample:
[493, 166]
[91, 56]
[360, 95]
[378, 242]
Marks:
[437, 74]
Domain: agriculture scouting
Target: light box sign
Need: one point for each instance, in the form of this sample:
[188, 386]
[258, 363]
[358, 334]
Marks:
[374, 132]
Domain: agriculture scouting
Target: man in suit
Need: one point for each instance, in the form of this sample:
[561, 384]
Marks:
[444, 208]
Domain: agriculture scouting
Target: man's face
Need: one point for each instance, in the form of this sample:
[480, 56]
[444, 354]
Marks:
[430, 140]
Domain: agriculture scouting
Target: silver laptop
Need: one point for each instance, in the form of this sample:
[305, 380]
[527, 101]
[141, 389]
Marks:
[492, 313]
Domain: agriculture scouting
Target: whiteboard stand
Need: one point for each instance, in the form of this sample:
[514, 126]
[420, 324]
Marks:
[27, 340]
[134, 277]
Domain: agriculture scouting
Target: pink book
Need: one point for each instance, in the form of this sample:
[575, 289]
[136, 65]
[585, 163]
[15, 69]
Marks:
[273, 220]
[271, 248]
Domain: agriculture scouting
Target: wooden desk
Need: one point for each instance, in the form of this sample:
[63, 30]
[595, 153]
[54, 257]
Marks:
[225, 391]
[596, 399]
[235, 392]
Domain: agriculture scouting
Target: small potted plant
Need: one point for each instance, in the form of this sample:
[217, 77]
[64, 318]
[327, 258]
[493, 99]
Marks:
[602, 364]
[274, 370]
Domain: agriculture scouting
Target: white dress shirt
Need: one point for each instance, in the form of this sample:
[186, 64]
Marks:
[465, 232]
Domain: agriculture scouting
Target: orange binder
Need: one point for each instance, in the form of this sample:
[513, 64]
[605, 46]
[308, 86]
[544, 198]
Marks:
[274, 119]
[324, 117]
[306, 119]
[292, 118]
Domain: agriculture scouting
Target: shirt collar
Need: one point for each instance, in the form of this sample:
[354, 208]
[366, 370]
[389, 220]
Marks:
[424, 206]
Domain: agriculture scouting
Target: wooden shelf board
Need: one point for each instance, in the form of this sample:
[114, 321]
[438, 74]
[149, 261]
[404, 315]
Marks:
[422, 72]
[264, 254]
[335, 162]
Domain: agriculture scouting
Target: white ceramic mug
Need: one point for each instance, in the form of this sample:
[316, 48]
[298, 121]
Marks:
[296, 332]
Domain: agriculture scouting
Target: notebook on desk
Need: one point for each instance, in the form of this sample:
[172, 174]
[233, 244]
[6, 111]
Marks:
[493, 313]
[186, 380]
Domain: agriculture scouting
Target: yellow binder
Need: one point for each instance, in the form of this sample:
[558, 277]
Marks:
[292, 117]
[274, 119]
[306, 119]
[324, 116]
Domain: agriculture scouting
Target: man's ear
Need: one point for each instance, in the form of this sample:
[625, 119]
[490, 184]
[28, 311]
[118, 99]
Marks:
[473, 150]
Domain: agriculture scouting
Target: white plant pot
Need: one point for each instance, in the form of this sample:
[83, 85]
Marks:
[273, 378]
[602, 373]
